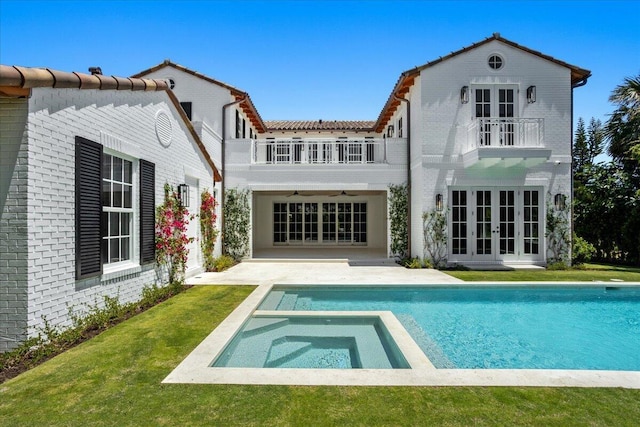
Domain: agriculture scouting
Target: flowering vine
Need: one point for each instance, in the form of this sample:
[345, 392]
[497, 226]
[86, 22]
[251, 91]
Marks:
[208, 231]
[171, 235]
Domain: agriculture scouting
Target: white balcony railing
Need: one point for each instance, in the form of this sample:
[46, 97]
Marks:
[318, 151]
[506, 132]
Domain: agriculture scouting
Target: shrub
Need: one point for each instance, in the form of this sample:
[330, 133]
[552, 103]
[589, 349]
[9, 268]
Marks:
[172, 219]
[398, 214]
[52, 340]
[223, 262]
[208, 231]
[583, 251]
[559, 265]
[236, 223]
[434, 226]
[414, 263]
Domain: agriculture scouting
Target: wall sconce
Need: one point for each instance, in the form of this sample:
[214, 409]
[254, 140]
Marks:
[183, 194]
[464, 95]
[390, 131]
[559, 201]
[439, 202]
[531, 94]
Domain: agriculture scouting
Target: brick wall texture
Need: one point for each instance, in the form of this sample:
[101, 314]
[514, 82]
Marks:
[37, 249]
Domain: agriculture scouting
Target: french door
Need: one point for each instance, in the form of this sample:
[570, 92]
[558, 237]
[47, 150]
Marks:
[495, 106]
[495, 225]
[320, 223]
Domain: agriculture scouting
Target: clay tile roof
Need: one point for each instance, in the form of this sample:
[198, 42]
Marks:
[247, 105]
[16, 81]
[27, 78]
[319, 125]
[579, 75]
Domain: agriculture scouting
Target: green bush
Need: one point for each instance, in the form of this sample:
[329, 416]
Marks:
[52, 340]
[555, 266]
[583, 251]
[413, 263]
[223, 262]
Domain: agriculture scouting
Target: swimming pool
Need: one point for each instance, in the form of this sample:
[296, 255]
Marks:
[327, 341]
[433, 362]
[596, 328]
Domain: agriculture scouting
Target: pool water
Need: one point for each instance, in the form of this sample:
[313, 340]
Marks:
[591, 328]
[315, 342]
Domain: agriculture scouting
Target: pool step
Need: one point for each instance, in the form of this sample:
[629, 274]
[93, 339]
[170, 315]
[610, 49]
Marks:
[259, 325]
[430, 348]
[272, 300]
[288, 301]
[282, 350]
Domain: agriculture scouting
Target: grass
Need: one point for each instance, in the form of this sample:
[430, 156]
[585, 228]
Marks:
[115, 379]
[587, 273]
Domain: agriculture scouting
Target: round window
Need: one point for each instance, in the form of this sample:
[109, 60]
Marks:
[172, 83]
[164, 129]
[496, 62]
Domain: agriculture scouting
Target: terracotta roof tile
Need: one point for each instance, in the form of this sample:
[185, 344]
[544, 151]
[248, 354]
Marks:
[26, 78]
[247, 105]
[407, 78]
[320, 125]
[16, 81]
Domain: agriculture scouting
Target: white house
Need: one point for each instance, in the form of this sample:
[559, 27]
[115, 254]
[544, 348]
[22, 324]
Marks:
[483, 134]
[84, 159]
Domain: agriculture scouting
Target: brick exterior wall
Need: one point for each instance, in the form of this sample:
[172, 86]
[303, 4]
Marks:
[13, 223]
[39, 213]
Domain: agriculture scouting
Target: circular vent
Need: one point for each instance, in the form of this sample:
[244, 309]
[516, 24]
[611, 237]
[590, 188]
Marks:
[164, 130]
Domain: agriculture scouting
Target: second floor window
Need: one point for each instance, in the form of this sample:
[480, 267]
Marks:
[400, 127]
[238, 125]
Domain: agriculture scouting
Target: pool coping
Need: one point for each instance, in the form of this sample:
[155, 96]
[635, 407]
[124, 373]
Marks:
[196, 369]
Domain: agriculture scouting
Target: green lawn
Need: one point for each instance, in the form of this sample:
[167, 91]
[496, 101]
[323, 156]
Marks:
[590, 273]
[114, 379]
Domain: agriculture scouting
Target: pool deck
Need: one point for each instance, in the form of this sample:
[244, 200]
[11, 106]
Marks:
[327, 272]
[265, 273]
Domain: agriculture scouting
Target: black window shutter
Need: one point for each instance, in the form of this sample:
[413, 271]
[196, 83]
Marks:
[147, 212]
[186, 106]
[88, 176]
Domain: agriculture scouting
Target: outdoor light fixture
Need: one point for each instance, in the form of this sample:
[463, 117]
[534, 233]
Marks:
[183, 194]
[559, 201]
[464, 95]
[390, 131]
[439, 202]
[531, 94]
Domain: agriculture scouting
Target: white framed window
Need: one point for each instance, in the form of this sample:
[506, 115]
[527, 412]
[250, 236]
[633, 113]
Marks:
[118, 210]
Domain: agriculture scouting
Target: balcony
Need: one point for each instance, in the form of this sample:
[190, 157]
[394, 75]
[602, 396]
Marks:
[505, 142]
[287, 151]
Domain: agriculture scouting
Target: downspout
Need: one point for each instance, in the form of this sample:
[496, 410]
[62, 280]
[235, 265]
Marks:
[408, 171]
[571, 186]
[222, 161]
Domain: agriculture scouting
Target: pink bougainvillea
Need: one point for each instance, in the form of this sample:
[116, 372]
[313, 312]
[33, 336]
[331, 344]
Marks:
[208, 231]
[171, 235]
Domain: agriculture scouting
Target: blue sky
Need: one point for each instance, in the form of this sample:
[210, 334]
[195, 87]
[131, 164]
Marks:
[318, 59]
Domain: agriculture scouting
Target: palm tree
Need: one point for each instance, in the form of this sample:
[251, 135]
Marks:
[623, 127]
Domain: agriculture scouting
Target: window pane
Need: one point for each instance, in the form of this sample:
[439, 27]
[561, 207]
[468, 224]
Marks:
[117, 169]
[106, 193]
[114, 255]
[106, 166]
[127, 196]
[125, 221]
[124, 249]
[117, 195]
[127, 171]
[114, 224]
